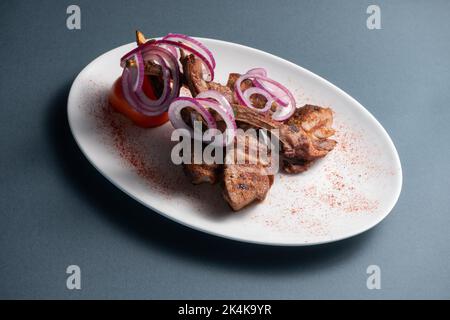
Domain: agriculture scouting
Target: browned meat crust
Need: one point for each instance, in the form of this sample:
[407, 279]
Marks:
[203, 173]
[247, 182]
[315, 120]
[304, 136]
[244, 184]
[296, 166]
[192, 70]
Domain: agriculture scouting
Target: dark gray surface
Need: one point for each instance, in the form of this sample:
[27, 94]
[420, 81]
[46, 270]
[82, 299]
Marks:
[56, 210]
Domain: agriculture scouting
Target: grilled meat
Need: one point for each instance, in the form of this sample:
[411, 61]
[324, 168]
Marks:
[245, 183]
[304, 137]
[203, 173]
[192, 70]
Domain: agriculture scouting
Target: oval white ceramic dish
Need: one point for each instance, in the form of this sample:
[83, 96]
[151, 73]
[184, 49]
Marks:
[346, 193]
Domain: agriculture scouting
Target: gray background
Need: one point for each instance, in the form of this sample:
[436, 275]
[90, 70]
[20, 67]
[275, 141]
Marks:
[56, 210]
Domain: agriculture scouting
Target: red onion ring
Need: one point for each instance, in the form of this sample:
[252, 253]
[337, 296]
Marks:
[283, 112]
[166, 68]
[215, 95]
[201, 105]
[260, 71]
[164, 53]
[133, 77]
[255, 90]
[176, 119]
[193, 43]
[224, 109]
[273, 90]
[206, 63]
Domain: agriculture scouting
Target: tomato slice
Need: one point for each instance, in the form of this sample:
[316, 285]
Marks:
[118, 102]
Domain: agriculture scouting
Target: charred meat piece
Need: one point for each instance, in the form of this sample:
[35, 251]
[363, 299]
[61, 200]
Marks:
[315, 120]
[152, 69]
[254, 118]
[232, 78]
[296, 166]
[224, 90]
[245, 183]
[203, 173]
[193, 71]
[297, 144]
[304, 137]
[305, 134]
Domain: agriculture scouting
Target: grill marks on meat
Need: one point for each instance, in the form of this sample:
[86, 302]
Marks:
[244, 184]
[247, 182]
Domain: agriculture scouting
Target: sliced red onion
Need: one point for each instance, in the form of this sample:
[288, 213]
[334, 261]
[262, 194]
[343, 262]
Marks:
[255, 90]
[278, 94]
[224, 109]
[215, 95]
[283, 112]
[209, 68]
[133, 77]
[195, 44]
[131, 98]
[260, 71]
[165, 53]
[170, 70]
[275, 92]
[138, 72]
[179, 104]
[174, 51]
[201, 105]
[205, 61]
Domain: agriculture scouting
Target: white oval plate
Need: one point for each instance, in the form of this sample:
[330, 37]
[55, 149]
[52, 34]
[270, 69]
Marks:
[346, 193]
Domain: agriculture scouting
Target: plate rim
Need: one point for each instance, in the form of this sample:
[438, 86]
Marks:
[318, 78]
